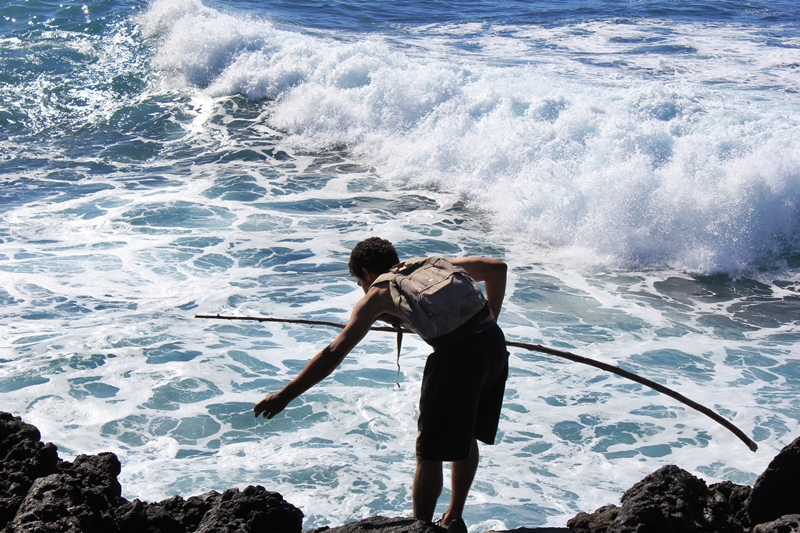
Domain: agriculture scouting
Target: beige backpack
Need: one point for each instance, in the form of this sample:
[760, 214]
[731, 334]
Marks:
[434, 296]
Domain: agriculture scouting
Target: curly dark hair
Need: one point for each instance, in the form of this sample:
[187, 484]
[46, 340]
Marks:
[375, 254]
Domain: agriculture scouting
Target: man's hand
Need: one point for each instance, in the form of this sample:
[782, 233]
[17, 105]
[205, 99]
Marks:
[270, 406]
[377, 302]
[492, 273]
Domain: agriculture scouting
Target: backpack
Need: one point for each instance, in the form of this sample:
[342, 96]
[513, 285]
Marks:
[434, 296]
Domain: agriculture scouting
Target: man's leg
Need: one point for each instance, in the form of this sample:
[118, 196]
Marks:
[427, 488]
[463, 472]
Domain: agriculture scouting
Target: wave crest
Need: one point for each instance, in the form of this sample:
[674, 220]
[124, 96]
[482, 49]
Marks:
[633, 173]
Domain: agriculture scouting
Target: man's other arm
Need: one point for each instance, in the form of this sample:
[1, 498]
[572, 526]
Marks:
[492, 273]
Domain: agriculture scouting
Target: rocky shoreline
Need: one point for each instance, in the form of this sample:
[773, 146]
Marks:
[39, 492]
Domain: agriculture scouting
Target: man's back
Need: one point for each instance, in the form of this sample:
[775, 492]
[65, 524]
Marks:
[434, 296]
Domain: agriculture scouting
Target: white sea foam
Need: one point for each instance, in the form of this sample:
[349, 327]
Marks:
[127, 369]
[647, 170]
[244, 208]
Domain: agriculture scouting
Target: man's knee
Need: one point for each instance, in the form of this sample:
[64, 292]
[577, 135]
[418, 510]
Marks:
[429, 468]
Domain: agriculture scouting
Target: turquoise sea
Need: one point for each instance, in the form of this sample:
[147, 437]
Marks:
[636, 163]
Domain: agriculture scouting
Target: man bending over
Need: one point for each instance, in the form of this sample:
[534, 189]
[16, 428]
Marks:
[464, 377]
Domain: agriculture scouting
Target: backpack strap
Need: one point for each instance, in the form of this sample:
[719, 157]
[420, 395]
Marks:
[380, 279]
[399, 345]
[383, 277]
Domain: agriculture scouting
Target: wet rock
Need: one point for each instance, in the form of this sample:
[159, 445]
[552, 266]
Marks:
[58, 503]
[735, 494]
[777, 491]
[142, 517]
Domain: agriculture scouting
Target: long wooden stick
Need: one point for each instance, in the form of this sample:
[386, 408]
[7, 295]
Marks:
[543, 349]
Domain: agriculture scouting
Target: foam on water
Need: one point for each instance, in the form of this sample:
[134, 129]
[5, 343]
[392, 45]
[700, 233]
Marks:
[103, 353]
[231, 164]
[668, 159]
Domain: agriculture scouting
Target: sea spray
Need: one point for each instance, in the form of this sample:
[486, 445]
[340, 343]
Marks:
[146, 181]
[640, 171]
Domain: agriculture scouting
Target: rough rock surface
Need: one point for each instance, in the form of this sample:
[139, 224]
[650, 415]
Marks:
[23, 459]
[777, 491]
[253, 509]
[41, 493]
[381, 524]
[82, 496]
[384, 525]
[671, 500]
[789, 523]
[596, 522]
[536, 530]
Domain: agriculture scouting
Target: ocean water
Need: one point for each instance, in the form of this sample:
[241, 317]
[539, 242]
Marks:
[637, 165]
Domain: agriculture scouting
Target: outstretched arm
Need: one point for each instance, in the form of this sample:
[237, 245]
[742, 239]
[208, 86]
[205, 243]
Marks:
[372, 305]
[492, 273]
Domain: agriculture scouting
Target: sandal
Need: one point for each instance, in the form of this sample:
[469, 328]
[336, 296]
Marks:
[456, 526]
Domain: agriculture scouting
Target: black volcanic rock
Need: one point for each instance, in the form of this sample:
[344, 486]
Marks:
[789, 523]
[82, 497]
[253, 509]
[672, 500]
[596, 522]
[23, 459]
[382, 524]
[40, 493]
[777, 491]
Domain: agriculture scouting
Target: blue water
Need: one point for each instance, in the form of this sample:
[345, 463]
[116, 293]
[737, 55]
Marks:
[635, 163]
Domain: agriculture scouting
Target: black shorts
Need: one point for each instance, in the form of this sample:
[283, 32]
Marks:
[461, 397]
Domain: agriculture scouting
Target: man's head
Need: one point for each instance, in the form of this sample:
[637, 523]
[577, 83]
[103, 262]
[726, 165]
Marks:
[376, 255]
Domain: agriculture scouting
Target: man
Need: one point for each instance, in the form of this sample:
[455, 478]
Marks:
[464, 378]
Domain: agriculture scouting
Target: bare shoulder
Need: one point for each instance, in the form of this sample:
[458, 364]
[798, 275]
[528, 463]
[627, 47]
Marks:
[377, 301]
